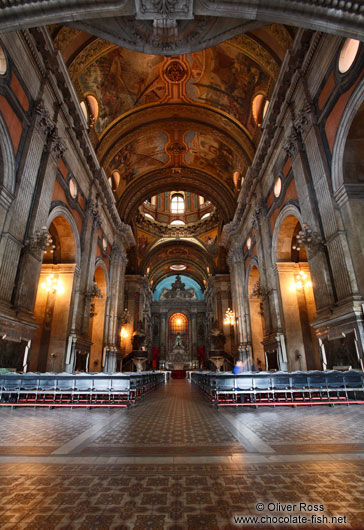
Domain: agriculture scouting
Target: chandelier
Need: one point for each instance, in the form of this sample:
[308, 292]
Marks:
[301, 282]
[52, 285]
[229, 317]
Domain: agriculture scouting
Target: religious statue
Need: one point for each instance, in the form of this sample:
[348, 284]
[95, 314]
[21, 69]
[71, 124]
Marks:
[178, 343]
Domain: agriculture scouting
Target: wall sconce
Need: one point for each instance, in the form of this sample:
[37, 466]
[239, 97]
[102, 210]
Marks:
[40, 240]
[259, 291]
[301, 282]
[94, 292]
[229, 317]
[52, 285]
[307, 237]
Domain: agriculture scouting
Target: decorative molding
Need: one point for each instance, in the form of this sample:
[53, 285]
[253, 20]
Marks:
[235, 255]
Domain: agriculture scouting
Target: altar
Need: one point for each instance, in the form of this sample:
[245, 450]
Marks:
[178, 358]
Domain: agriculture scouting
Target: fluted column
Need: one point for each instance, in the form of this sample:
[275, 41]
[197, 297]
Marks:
[39, 163]
[31, 260]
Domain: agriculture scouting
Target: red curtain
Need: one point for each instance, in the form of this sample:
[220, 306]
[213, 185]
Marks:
[201, 354]
[155, 356]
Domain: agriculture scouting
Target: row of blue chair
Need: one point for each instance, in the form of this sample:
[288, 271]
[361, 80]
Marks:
[282, 388]
[65, 389]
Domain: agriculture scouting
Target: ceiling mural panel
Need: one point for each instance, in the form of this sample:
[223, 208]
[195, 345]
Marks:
[145, 153]
[225, 78]
[122, 80]
[206, 152]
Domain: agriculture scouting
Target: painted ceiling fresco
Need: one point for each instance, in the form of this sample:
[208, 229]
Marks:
[122, 80]
[210, 154]
[144, 153]
[225, 78]
[221, 77]
[186, 118]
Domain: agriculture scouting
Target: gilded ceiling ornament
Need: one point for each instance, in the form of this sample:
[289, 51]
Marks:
[176, 148]
[175, 72]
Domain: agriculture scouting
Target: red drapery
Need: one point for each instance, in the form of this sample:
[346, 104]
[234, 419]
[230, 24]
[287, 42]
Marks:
[155, 356]
[201, 354]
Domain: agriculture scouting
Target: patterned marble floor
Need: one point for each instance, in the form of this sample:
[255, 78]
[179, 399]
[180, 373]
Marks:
[174, 462]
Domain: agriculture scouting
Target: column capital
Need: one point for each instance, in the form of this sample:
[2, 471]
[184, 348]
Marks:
[235, 255]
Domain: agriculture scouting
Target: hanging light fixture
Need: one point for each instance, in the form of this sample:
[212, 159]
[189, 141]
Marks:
[229, 317]
[301, 282]
[52, 284]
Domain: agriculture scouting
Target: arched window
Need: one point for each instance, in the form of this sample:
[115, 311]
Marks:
[177, 222]
[178, 331]
[177, 203]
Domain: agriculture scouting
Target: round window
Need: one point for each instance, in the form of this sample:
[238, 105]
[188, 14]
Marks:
[348, 54]
[277, 187]
[73, 188]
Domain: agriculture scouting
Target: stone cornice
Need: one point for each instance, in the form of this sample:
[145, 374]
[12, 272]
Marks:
[127, 22]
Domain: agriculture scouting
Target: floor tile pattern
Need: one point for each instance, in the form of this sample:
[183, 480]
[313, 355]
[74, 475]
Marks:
[91, 482]
[172, 416]
[307, 424]
[171, 497]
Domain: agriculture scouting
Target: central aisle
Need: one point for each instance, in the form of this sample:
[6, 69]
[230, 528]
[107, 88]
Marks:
[173, 420]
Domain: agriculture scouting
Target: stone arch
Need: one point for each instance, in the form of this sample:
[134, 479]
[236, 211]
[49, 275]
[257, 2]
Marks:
[99, 263]
[98, 316]
[351, 109]
[63, 212]
[7, 160]
[297, 303]
[288, 210]
[255, 308]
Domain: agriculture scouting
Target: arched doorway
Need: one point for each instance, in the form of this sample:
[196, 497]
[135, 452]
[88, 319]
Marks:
[297, 298]
[97, 319]
[53, 300]
[256, 317]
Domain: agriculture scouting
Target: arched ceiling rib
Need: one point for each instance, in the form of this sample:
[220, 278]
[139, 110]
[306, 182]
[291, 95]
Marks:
[170, 179]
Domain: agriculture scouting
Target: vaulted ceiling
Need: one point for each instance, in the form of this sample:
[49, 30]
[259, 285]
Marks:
[181, 122]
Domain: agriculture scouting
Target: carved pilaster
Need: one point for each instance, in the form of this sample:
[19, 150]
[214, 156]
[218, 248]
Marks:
[93, 211]
[290, 145]
[235, 255]
[305, 119]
